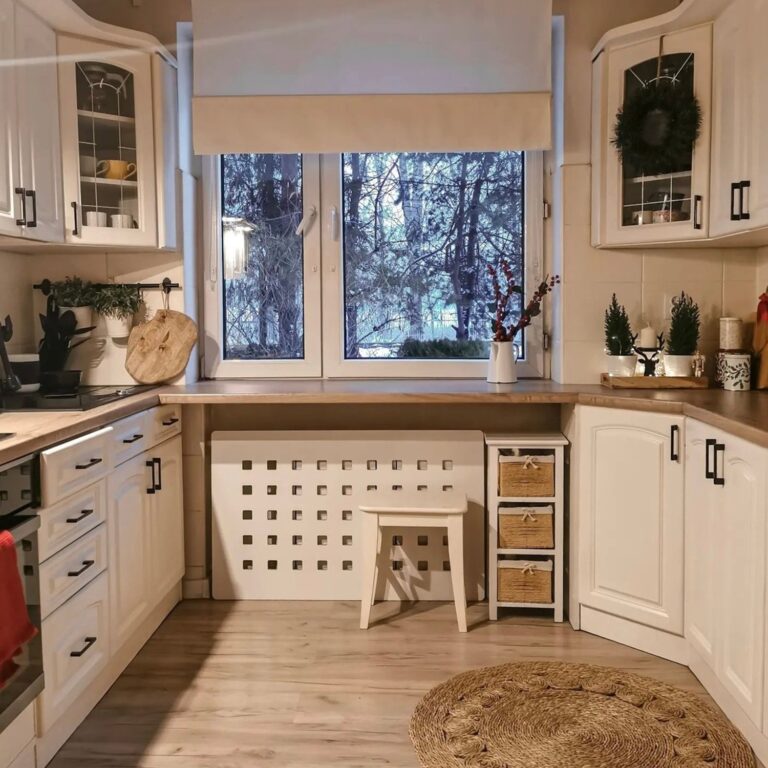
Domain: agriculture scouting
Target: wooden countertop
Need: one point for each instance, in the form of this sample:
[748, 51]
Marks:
[741, 414]
[33, 431]
[744, 414]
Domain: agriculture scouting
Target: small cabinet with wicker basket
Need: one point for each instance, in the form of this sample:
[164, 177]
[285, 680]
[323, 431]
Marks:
[525, 521]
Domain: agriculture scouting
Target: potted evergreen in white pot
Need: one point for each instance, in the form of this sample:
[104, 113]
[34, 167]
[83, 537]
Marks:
[619, 341]
[117, 304]
[73, 294]
[683, 337]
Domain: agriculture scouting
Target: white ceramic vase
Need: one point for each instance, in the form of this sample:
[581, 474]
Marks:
[502, 362]
[621, 365]
[118, 327]
[83, 316]
[678, 365]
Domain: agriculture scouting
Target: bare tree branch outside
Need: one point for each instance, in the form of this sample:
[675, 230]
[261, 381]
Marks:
[419, 233]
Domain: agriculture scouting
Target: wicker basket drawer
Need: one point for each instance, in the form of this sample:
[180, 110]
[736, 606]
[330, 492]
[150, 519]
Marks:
[527, 528]
[527, 475]
[524, 581]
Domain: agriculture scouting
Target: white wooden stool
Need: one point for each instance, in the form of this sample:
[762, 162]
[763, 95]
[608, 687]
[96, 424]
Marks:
[421, 509]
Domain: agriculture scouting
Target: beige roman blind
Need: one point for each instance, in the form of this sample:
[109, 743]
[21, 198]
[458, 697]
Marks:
[371, 75]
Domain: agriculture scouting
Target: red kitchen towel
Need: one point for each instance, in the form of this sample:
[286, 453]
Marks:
[15, 626]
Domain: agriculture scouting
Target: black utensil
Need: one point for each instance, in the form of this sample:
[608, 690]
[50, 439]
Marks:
[9, 381]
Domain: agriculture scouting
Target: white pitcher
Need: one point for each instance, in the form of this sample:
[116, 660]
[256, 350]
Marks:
[502, 363]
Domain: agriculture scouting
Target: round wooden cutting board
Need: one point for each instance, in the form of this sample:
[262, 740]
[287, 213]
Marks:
[158, 350]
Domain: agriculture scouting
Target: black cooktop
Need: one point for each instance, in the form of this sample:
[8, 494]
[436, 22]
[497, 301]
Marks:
[81, 400]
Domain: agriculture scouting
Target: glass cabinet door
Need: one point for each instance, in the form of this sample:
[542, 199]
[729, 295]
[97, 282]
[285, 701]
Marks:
[107, 130]
[668, 200]
[666, 196]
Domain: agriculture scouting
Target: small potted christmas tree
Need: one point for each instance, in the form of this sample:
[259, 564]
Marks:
[683, 337]
[619, 340]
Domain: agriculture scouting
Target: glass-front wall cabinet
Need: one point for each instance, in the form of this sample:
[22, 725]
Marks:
[108, 145]
[667, 200]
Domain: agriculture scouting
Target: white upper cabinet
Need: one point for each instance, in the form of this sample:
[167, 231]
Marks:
[39, 135]
[740, 144]
[671, 204]
[630, 529]
[9, 156]
[30, 166]
[107, 129]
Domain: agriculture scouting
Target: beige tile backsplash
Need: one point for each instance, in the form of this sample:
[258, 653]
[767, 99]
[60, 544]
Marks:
[722, 281]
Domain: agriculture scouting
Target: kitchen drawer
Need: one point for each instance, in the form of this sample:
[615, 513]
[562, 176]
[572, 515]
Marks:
[167, 422]
[67, 572]
[17, 738]
[68, 520]
[71, 466]
[75, 650]
[132, 436]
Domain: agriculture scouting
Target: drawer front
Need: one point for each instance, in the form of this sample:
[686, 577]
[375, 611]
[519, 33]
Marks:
[67, 572]
[26, 759]
[131, 436]
[167, 422]
[68, 520]
[75, 650]
[71, 466]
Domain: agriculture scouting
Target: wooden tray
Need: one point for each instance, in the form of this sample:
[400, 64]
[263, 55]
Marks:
[654, 382]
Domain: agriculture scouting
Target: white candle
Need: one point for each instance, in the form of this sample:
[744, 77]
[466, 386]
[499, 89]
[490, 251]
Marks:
[648, 338]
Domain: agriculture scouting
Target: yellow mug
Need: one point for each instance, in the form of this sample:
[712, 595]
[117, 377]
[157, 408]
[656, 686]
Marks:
[115, 169]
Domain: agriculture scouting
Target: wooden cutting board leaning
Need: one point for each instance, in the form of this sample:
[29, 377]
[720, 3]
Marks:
[159, 350]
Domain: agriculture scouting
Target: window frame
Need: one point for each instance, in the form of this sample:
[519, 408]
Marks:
[215, 366]
[335, 365]
[324, 330]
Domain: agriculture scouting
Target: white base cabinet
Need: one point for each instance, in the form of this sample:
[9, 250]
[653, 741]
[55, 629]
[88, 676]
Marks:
[725, 561]
[113, 560]
[630, 515]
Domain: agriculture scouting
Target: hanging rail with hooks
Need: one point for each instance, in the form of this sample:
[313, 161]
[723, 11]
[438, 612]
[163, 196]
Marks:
[46, 286]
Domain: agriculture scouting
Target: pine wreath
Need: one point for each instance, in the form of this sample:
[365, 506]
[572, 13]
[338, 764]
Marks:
[657, 128]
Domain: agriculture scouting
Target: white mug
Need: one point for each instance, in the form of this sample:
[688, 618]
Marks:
[95, 219]
[121, 220]
[87, 165]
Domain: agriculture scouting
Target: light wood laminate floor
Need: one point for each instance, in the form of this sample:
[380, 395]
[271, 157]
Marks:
[235, 684]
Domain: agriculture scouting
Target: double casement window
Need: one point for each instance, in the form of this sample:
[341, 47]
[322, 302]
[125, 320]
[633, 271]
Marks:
[366, 264]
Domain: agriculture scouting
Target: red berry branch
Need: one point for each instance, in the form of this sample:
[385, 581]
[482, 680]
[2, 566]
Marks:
[502, 329]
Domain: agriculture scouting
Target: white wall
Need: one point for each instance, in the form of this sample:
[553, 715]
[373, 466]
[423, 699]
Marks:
[16, 300]
[722, 281]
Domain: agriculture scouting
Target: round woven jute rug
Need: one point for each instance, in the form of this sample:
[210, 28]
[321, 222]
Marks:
[555, 715]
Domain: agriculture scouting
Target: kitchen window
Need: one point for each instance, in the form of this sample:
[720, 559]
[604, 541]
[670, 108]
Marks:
[366, 264]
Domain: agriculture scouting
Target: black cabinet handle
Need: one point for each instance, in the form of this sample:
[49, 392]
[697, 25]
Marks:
[133, 439]
[674, 440]
[32, 194]
[22, 220]
[153, 482]
[744, 209]
[89, 641]
[735, 215]
[86, 565]
[83, 514]
[719, 479]
[75, 229]
[159, 486]
[91, 463]
[170, 422]
[697, 201]
[709, 473]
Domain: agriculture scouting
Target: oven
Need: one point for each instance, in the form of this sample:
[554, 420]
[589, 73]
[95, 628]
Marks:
[19, 494]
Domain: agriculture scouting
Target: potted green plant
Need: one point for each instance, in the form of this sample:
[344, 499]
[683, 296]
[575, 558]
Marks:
[619, 340]
[502, 361]
[117, 304]
[683, 337]
[73, 294]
